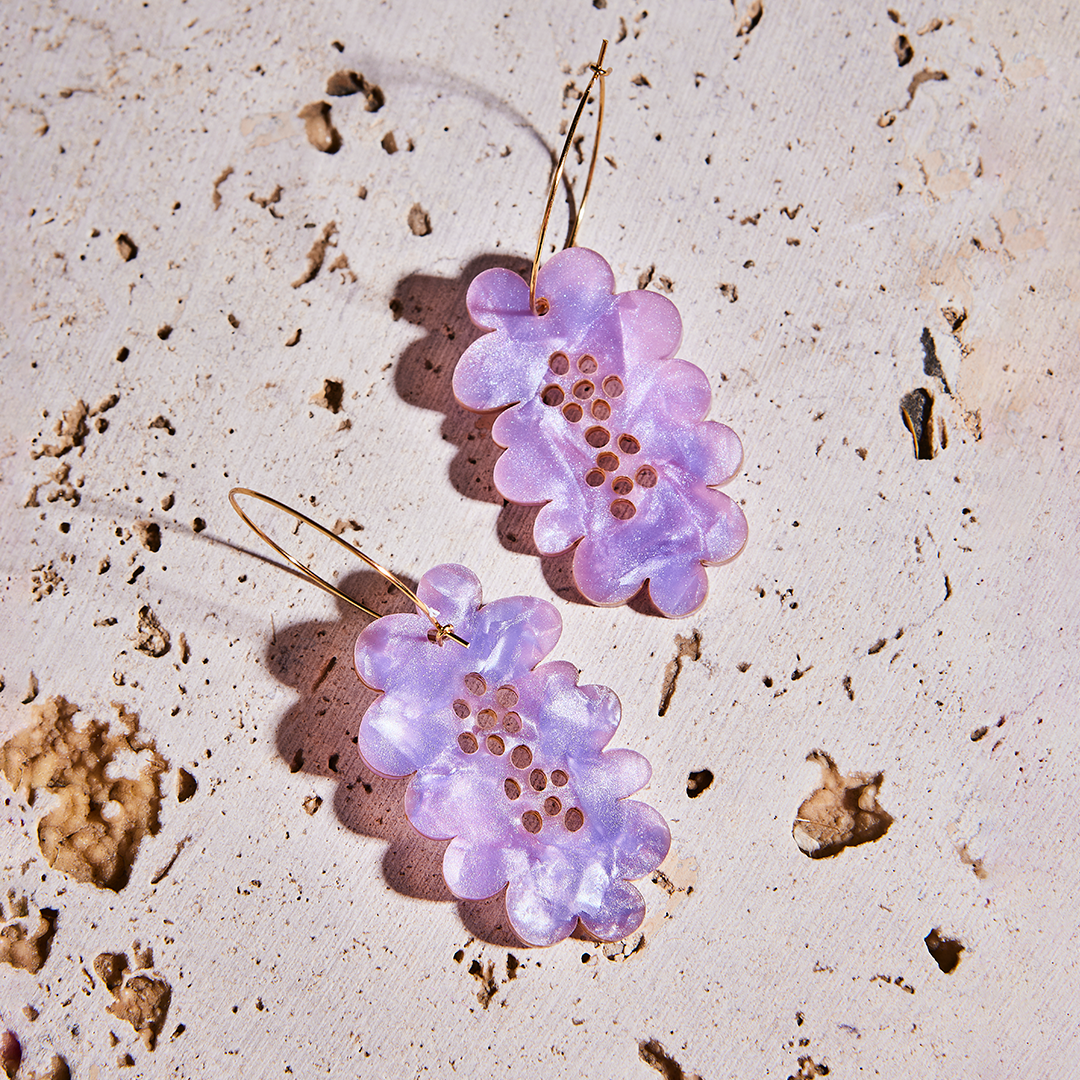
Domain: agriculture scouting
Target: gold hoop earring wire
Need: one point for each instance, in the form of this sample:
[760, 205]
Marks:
[440, 633]
[598, 72]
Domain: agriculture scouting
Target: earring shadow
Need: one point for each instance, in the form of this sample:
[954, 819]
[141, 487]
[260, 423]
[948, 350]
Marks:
[318, 736]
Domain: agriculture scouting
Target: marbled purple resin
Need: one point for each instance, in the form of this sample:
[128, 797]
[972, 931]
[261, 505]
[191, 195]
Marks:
[606, 429]
[508, 761]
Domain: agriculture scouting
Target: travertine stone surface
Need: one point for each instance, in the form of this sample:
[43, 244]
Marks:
[219, 267]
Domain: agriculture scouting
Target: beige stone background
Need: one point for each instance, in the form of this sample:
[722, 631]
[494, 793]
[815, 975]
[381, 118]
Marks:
[817, 210]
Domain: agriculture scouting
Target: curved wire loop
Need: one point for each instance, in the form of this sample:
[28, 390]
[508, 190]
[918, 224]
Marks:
[598, 72]
[439, 632]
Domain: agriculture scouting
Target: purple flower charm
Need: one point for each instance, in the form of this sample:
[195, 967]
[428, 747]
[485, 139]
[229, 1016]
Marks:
[605, 428]
[508, 761]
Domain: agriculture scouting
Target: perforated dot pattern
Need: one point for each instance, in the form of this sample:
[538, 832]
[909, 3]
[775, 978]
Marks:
[488, 721]
[601, 394]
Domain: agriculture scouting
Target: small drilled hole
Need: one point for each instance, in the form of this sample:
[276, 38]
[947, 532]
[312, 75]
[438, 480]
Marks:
[587, 364]
[559, 778]
[573, 412]
[475, 684]
[542, 306]
[574, 819]
[467, 742]
[521, 756]
[601, 410]
[622, 485]
[583, 389]
[597, 437]
[506, 696]
[559, 363]
[552, 395]
[512, 723]
[595, 477]
[462, 710]
[486, 719]
[552, 806]
[608, 462]
[623, 509]
[512, 788]
[532, 821]
[646, 476]
[537, 780]
[629, 445]
[495, 745]
[613, 386]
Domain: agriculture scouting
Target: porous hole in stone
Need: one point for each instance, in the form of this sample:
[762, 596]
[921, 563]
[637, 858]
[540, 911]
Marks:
[646, 476]
[601, 410]
[467, 742]
[486, 719]
[319, 128]
[559, 778]
[573, 412]
[532, 821]
[595, 477]
[88, 770]
[144, 1003]
[537, 780]
[511, 723]
[475, 684]
[597, 437]
[512, 788]
[521, 756]
[552, 395]
[506, 697]
[462, 710]
[559, 363]
[629, 445]
[622, 485]
[21, 945]
[186, 785]
[623, 509]
[495, 745]
[917, 413]
[843, 812]
[583, 390]
[587, 364]
[945, 951]
[699, 781]
[573, 819]
[608, 462]
[552, 806]
[10, 1053]
[613, 386]
[418, 220]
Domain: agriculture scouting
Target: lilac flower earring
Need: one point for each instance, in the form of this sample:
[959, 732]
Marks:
[506, 754]
[602, 426]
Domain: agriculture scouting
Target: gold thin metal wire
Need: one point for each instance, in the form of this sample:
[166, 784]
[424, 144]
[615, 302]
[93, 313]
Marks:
[441, 633]
[598, 72]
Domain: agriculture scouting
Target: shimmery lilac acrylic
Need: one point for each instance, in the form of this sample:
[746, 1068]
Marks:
[605, 428]
[508, 762]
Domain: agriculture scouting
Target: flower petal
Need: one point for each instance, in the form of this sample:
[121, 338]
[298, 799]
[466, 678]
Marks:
[540, 899]
[652, 328]
[619, 914]
[477, 871]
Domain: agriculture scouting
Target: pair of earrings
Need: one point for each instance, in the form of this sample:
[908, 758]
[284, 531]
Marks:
[506, 753]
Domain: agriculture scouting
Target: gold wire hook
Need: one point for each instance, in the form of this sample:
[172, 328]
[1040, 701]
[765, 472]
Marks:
[598, 72]
[440, 633]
